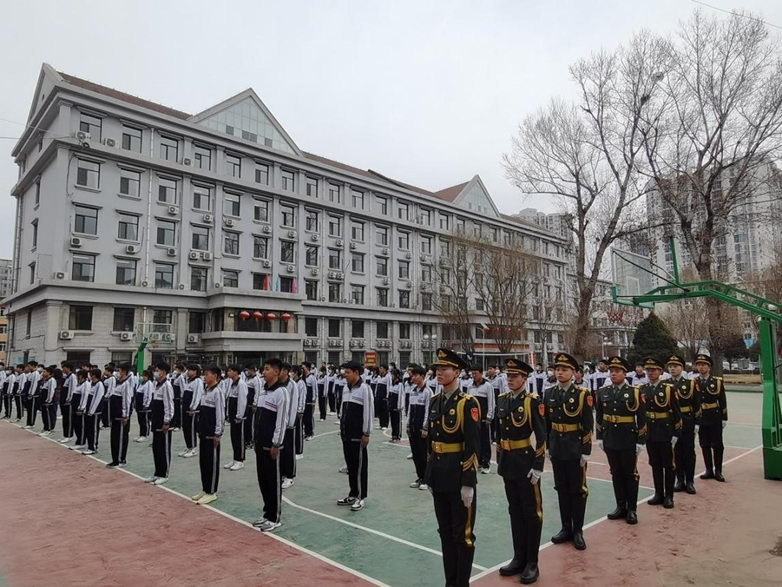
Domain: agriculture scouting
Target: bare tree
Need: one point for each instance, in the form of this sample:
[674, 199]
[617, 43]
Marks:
[685, 320]
[451, 299]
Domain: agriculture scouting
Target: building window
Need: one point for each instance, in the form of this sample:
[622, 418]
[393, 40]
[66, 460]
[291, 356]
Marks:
[166, 233]
[198, 278]
[311, 221]
[32, 272]
[286, 285]
[164, 276]
[287, 251]
[404, 331]
[83, 268]
[381, 236]
[426, 302]
[381, 266]
[260, 247]
[129, 183]
[37, 193]
[335, 292]
[311, 255]
[202, 157]
[404, 269]
[310, 327]
[357, 262]
[29, 323]
[357, 329]
[357, 231]
[426, 217]
[335, 226]
[80, 318]
[402, 210]
[382, 297]
[335, 259]
[445, 249]
[92, 125]
[382, 330]
[261, 211]
[34, 225]
[200, 238]
[288, 216]
[162, 320]
[202, 198]
[334, 196]
[357, 199]
[166, 190]
[357, 294]
[126, 272]
[131, 138]
[335, 328]
[288, 180]
[404, 299]
[404, 241]
[169, 148]
[312, 187]
[382, 205]
[124, 319]
[426, 273]
[426, 245]
[311, 289]
[231, 243]
[233, 166]
[445, 222]
[262, 173]
[196, 322]
[86, 221]
[261, 281]
[232, 205]
[127, 227]
[88, 174]
[230, 278]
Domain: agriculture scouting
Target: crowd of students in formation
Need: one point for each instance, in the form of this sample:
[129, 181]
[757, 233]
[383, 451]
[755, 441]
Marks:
[451, 412]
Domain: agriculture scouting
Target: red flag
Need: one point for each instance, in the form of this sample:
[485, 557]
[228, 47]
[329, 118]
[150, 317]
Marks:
[266, 282]
[295, 287]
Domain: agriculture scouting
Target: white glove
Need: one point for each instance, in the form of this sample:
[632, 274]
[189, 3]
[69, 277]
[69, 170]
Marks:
[534, 476]
[674, 440]
[600, 444]
[697, 427]
[639, 448]
[724, 423]
[584, 460]
[467, 494]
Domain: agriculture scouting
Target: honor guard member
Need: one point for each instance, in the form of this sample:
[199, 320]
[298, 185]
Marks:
[237, 406]
[192, 390]
[520, 465]
[355, 428]
[620, 420]
[417, 422]
[664, 422]
[120, 402]
[714, 417]
[569, 425]
[483, 392]
[162, 414]
[452, 465]
[690, 407]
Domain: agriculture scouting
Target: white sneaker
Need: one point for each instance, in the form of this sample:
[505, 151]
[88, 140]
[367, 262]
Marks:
[357, 505]
[416, 484]
[198, 496]
[423, 487]
[150, 479]
[410, 457]
[343, 469]
[259, 523]
[337, 422]
[88, 452]
[299, 457]
[160, 481]
[184, 453]
[77, 447]
[287, 483]
[485, 470]
[207, 499]
[190, 453]
[229, 465]
[269, 526]
[141, 439]
[237, 466]
[64, 440]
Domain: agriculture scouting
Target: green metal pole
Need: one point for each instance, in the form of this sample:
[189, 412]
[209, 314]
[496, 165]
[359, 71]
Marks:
[140, 358]
[772, 415]
[675, 260]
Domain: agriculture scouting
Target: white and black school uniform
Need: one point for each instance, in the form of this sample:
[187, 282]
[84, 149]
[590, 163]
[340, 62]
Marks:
[396, 403]
[105, 415]
[237, 406]
[499, 385]
[143, 400]
[66, 407]
[91, 405]
[8, 379]
[311, 385]
[339, 388]
[211, 423]
[597, 380]
[417, 418]
[251, 419]
[48, 407]
[162, 414]
[31, 397]
[356, 422]
[77, 413]
[322, 396]
[288, 452]
[330, 395]
[192, 390]
[18, 394]
[177, 385]
[273, 406]
[638, 380]
[535, 382]
[483, 392]
[300, 410]
[382, 388]
[120, 402]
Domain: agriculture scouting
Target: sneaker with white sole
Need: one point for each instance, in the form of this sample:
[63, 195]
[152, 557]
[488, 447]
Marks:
[160, 481]
[416, 484]
[299, 457]
[229, 465]
[190, 454]
[198, 496]
[287, 483]
[237, 466]
[141, 439]
[150, 479]
[485, 470]
[207, 499]
[78, 447]
[88, 452]
[183, 453]
[259, 523]
[410, 456]
[346, 501]
[343, 469]
[269, 526]
[357, 505]
[112, 465]
[423, 487]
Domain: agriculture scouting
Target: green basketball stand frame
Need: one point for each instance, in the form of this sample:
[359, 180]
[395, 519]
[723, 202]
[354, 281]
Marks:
[770, 317]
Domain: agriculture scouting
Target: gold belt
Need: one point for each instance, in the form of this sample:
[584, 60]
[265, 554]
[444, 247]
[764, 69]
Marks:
[713, 406]
[658, 415]
[447, 447]
[619, 419]
[686, 409]
[566, 427]
[515, 444]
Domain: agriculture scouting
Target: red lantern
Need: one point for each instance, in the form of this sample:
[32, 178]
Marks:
[286, 317]
[271, 316]
[258, 315]
[244, 314]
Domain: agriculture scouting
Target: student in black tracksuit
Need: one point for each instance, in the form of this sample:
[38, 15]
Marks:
[66, 397]
[355, 428]
[396, 398]
[17, 391]
[322, 394]
[30, 394]
[253, 381]
[120, 404]
[177, 384]
[192, 390]
[382, 388]
[288, 450]
[211, 423]
[77, 414]
[109, 381]
[143, 403]
[91, 406]
[8, 378]
[269, 437]
[309, 403]
[236, 391]
[162, 414]
[417, 418]
[48, 398]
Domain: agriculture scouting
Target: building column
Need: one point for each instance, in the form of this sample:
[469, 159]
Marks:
[52, 349]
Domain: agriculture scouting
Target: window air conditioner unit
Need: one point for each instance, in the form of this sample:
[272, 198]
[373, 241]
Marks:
[306, 342]
[182, 286]
[173, 210]
[206, 256]
[353, 246]
[84, 138]
[187, 161]
[229, 222]
[131, 249]
[291, 269]
[126, 336]
[291, 234]
[267, 229]
[193, 338]
[207, 218]
[66, 335]
[154, 336]
[75, 241]
[315, 238]
[168, 337]
[171, 251]
[110, 143]
[267, 263]
[218, 285]
[193, 255]
[144, 284]
[59, 275]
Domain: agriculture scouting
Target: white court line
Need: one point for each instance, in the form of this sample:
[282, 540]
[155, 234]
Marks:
[302, 549]
[325, 434]
[595, 522]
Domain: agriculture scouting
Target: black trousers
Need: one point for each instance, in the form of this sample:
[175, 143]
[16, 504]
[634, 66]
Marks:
[190, 429]
[418, 448]
[571, 485]
[31, 405]
[49, 416]
[357, 461]
[67, 423]
[624, 476]
[322, 406]
[455, 524]
[269, 482]
[298, 435]
[684, 452]
[309, 420]
[484, 453]
[396, 423]
[105, 415]
[237, 440]
[79, 428]
[176, 420]
[161, 452]
[381, 409]
[338, 401]
[332, 401]
[92, 430]
[288, 454]
[525, 507]
[209, 463]
[7, 403]
[19, 406]
[662, 463]
[119, 440]
[710, 438]
[143, 422]
[250, 423]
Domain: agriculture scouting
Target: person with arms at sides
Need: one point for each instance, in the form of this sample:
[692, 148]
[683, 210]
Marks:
[66, 402]
[192, 390]
[177, 384]
[162, 413]
[638, 377]
[30, 392]
[499, 384]
[417, 422]
[109, 380]
[143, 401]
[253, 381]
[483, 392]
[18, 391]
[714, 417]
[211, 423]
[355, 429]
[288, 451]
[620, 421]
[91, 404]
[339, 390]
[322, 394]
[599, 378]
[569, 424]
[535, 383]
[237, 406]
[269, 437]
[382, 383]
[330, 396]
[3, 389]
[396, 398]
[77, 415]
[120, 403]
[690, 408]
[48, 407]
[311, 385]
[521, 466]
[8, 386]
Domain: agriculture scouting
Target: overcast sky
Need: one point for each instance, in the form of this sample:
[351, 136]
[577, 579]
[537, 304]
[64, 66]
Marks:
[429, 93]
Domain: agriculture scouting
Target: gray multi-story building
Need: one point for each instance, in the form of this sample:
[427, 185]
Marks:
[218, 238]
[6, 266]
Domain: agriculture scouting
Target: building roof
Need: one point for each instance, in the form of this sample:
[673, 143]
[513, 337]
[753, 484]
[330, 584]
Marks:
[451, 193]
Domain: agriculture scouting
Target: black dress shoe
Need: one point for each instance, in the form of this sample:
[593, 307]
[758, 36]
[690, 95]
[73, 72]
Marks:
[656, 500]
[679, 486]
[632, 517]
[718, 476]
[708, 475]
[563, 536]
[530, 574]
[514, 567]
[691, 488]
[578, 541]
[668, 503]
[617, 514]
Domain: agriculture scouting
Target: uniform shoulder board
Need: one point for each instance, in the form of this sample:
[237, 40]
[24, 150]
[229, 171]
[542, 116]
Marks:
[583, 389]
[503, 394]
[718, 378]
[466, 395]
[534, 395]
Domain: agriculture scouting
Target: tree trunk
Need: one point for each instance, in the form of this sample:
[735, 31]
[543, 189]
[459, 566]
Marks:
[582, 326]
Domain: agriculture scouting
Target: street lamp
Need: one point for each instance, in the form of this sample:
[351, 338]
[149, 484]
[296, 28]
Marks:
[606, 340]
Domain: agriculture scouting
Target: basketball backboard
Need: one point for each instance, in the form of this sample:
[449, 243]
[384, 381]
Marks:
[632, 273]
